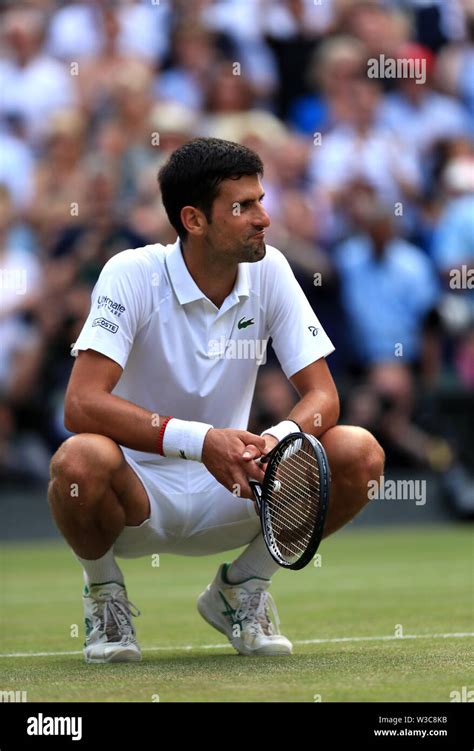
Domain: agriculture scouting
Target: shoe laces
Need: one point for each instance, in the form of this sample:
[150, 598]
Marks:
[254, 609]
[116, 612]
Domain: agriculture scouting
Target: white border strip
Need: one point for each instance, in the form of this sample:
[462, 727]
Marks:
[190, 647]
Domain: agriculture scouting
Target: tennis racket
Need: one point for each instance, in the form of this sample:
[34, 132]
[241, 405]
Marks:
[293, 499]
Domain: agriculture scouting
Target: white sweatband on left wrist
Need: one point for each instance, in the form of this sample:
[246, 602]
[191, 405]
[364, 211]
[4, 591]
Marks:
[185, 439]
[284, 428]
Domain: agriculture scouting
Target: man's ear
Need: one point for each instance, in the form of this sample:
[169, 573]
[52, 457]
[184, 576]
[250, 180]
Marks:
[194, 220]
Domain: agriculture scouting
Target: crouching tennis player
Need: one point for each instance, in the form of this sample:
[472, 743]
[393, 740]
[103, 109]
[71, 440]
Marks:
[159, 399]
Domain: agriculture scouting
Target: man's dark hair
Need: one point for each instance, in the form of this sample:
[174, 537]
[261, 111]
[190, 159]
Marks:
[193, 173]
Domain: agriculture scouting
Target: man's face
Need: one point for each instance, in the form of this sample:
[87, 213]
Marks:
[238, 221]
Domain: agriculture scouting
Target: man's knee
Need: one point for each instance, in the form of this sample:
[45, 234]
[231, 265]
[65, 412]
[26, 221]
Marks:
[367, 457]
[85, 459]
[355, 456]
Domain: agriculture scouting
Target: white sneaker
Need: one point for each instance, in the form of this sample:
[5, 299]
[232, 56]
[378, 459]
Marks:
[110, 634]
[241, 612]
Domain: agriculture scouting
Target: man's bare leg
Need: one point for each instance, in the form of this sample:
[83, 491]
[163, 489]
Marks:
[93, 494]
[355, 458]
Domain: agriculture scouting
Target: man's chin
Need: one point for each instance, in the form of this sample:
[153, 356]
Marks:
[255, 252]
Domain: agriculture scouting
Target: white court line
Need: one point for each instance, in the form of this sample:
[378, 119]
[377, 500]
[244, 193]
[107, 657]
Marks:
[189, 647]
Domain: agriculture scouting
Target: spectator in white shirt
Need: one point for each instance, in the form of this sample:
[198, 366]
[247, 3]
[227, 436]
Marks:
[34, 85]
[419, 114]
[16, 169]
[76, 31]
[362, 149]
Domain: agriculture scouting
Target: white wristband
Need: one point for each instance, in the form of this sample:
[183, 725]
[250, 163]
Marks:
[283, 429]
[185, 439]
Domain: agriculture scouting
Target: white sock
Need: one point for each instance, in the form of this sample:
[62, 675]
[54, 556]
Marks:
[101, 570]
[254, 561]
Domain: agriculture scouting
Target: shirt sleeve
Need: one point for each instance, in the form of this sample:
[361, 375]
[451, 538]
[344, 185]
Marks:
[118, 310]
[453, 242]
[298, 337]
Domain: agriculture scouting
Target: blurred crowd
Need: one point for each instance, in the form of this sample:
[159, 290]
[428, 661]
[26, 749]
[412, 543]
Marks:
[369, 182]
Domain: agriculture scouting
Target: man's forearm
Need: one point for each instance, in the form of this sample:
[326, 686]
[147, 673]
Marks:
[316, 412]
[115, 418]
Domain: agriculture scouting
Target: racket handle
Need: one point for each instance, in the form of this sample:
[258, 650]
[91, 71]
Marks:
[257, 492]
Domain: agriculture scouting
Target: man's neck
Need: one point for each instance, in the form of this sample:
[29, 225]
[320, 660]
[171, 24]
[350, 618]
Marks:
[216, 281]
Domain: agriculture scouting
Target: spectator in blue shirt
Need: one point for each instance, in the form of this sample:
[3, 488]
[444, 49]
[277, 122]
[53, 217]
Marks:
[453, 241]
[388, 288]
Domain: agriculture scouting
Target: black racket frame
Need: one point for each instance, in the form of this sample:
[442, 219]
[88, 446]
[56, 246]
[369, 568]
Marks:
[261, 491]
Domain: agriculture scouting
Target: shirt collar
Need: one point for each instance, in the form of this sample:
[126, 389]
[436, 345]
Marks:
[186, 288]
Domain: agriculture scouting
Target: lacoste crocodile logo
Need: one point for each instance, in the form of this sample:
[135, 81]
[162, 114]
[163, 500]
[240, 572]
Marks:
[242, 324]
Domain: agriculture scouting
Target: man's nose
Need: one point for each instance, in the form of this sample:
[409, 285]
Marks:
[262, 219]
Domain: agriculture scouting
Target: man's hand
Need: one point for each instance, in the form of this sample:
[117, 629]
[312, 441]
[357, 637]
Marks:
[270, 443]
[223, 455]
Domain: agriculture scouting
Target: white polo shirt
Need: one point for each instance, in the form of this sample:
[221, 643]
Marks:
[183, 356]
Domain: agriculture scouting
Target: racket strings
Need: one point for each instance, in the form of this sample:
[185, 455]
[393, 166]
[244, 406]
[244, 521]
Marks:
[293, 500]
[298, 477]
[299, 505]
[303, 479]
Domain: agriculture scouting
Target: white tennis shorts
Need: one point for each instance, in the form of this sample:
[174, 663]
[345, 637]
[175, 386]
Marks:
[191, 513]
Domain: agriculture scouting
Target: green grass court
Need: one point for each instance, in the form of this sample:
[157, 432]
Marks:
[370, 584]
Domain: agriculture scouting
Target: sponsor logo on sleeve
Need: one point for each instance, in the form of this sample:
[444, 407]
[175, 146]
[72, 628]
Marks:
[313, 330]
[106, 303]
[107, 325]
